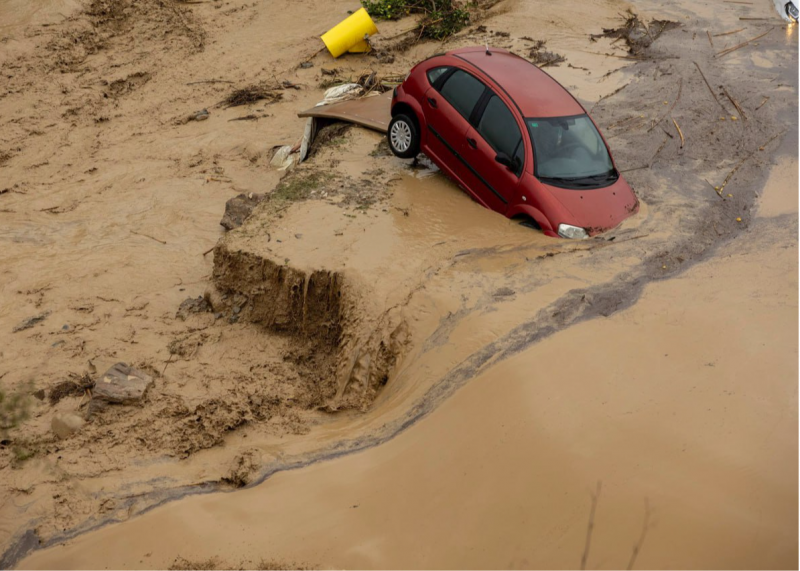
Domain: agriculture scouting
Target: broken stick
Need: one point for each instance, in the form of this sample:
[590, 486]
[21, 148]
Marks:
[735, 104]
[147, 236]
[711, 91]
[683, 140]
[743, 44]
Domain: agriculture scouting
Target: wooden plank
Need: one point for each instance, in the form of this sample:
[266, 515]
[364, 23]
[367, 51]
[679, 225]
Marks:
[370, 112]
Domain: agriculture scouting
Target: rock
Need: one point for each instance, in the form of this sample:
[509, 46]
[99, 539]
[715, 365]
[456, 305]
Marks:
[201, 115]
[122, 384]
[192, 305]
[504, 292]
[238, 208]
[30, 322]
[67, 424]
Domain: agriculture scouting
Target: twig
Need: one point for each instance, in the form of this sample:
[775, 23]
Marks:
[735, 104]
[167, 365]
[631, 239]
[766, 98]
[612, 55]
[604, 97]
[590, 527]
[664, 144]
[208, 81]
[674, 103]
[211, 249]
[683, 140]
[729, 33]
[251, 117]
[636, 168]
[744, 160]
[637, 547]
[710, 41]
[743, 44]
[147, 236]
[711, 91]
[715, 188]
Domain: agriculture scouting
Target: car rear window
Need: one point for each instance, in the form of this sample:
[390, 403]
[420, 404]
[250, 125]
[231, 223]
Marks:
[462, 91]
[499, 128]
[436, 73]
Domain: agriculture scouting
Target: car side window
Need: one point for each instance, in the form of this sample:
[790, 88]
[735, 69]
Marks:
[462, 91]
[436, 73]
[499, 128]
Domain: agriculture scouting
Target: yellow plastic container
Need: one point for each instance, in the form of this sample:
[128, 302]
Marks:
[350, 34]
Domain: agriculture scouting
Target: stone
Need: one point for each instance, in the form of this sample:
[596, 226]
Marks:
[192, 305]
[122, 384]
[66, 424]
[238, 208]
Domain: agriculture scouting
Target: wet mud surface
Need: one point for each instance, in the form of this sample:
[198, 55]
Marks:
[365, 292]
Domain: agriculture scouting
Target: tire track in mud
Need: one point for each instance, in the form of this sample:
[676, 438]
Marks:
[673, 191]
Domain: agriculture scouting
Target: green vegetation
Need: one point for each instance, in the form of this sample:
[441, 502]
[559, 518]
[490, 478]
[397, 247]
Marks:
[13, 410]
[442, 18]
[296, 187]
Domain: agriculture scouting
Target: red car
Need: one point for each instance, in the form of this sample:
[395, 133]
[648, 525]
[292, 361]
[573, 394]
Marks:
[513, 138]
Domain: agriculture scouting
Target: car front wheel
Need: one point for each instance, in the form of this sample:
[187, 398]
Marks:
[791, 11]
[404, 136]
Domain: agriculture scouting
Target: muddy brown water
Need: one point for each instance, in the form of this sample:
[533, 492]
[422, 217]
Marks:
[683, 406]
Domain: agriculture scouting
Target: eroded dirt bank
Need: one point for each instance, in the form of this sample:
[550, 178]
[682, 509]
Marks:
[479, 290]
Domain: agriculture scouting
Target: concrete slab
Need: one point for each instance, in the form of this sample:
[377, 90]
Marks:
[370, 112]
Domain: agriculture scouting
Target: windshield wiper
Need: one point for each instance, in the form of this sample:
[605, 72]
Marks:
[581, 181]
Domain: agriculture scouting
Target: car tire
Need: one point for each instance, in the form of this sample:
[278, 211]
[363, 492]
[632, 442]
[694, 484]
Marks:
[403, 136]
[788, 8]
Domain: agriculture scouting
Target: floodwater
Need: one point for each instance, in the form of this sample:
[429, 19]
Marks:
[673, 421]
[681, 412]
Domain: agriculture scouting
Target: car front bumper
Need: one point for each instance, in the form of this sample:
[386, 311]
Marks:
[792, 11]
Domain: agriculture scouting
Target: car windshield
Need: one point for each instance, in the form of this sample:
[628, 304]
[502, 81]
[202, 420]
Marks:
[570, 152]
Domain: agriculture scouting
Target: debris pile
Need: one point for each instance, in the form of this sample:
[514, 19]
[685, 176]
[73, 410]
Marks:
[544, 57]
[636, 33]
[253, 93]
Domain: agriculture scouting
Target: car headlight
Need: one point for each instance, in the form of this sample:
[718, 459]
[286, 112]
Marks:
[572, 232]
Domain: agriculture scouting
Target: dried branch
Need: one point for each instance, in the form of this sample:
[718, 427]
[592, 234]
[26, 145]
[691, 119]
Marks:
[590, 527]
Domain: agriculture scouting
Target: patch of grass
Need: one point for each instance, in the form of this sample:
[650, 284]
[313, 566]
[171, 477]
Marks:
[297, 187]
[442, 18]
[180, 564]
[13, 410]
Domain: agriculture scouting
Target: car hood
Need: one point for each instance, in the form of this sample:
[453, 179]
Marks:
[596, 209]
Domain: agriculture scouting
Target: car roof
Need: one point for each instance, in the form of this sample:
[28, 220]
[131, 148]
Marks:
[534, 91]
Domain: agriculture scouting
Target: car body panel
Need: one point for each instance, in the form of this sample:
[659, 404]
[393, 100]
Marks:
[455, 144]
[546, 100]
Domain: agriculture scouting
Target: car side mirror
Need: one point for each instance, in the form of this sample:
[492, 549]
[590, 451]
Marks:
[506, 161]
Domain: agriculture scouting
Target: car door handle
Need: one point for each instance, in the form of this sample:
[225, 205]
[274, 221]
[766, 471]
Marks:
[472, 143]
[432, 101]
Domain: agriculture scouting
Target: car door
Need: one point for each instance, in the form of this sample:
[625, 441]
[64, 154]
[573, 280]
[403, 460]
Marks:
[496, 134]
[448, 105]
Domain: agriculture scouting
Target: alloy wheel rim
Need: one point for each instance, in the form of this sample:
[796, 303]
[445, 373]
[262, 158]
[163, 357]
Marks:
[401, 136]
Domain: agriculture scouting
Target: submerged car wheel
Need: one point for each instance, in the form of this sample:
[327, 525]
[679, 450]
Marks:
[404, 136]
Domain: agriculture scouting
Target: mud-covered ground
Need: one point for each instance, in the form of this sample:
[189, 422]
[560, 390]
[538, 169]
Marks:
[110, 201]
